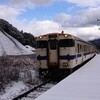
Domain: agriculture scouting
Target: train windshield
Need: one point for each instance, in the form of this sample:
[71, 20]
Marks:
[42, 44]
[53, 44]
[66, 43]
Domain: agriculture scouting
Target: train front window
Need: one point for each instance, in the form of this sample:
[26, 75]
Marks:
[53, 44]
[42, 44]
[66, 43]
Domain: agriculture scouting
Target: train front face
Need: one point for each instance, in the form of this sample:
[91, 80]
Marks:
[53, 52]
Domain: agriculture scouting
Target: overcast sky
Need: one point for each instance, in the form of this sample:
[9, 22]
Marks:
[77, 17]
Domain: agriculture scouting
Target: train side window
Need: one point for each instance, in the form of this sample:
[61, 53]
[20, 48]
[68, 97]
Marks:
[78, 48]
[66, 43]
[42, 44]
[84, 48]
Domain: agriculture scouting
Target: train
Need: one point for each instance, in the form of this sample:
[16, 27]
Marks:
[59, 53]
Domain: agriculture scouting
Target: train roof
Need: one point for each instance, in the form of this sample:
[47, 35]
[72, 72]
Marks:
[66, 34]
[55, 34]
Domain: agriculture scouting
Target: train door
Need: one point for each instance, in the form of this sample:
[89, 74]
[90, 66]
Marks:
[53, 53]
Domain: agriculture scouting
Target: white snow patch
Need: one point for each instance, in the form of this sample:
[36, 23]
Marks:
[14, 90]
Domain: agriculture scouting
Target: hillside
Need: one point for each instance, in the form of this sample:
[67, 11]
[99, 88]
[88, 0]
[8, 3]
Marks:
[96, 42]
[22, 37]
[10, 46]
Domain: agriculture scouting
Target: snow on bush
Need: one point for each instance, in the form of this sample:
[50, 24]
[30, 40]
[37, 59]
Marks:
[18, 68]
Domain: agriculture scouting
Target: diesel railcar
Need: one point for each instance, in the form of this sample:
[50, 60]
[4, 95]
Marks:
[60, 52]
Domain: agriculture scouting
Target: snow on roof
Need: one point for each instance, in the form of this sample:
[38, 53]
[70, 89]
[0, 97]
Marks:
[84, 84]
[10, 46]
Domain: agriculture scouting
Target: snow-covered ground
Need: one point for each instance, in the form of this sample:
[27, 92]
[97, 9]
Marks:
[84, 84]
[13, 89]
[10, 46]
[17, 75]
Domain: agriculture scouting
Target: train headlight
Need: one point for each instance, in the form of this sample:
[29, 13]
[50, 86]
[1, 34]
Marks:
[66, 35]
[40, 37]
[65, 64]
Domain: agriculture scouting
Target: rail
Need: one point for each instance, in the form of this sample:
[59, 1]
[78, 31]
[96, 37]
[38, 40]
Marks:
[31, 90]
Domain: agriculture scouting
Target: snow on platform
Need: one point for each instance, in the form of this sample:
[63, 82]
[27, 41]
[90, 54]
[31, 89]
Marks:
[84, 84]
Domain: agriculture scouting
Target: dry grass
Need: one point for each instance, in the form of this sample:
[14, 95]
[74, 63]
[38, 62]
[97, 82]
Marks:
[14, 68]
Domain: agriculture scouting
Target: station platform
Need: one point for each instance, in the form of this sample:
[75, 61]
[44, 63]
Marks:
[83, 84]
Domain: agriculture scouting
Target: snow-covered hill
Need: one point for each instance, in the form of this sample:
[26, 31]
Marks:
[10, 46]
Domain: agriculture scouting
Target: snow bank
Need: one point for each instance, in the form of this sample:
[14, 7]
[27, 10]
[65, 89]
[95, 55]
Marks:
[10, 46]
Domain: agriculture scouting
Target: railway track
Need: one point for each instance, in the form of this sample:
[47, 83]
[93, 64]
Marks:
[36, 91]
